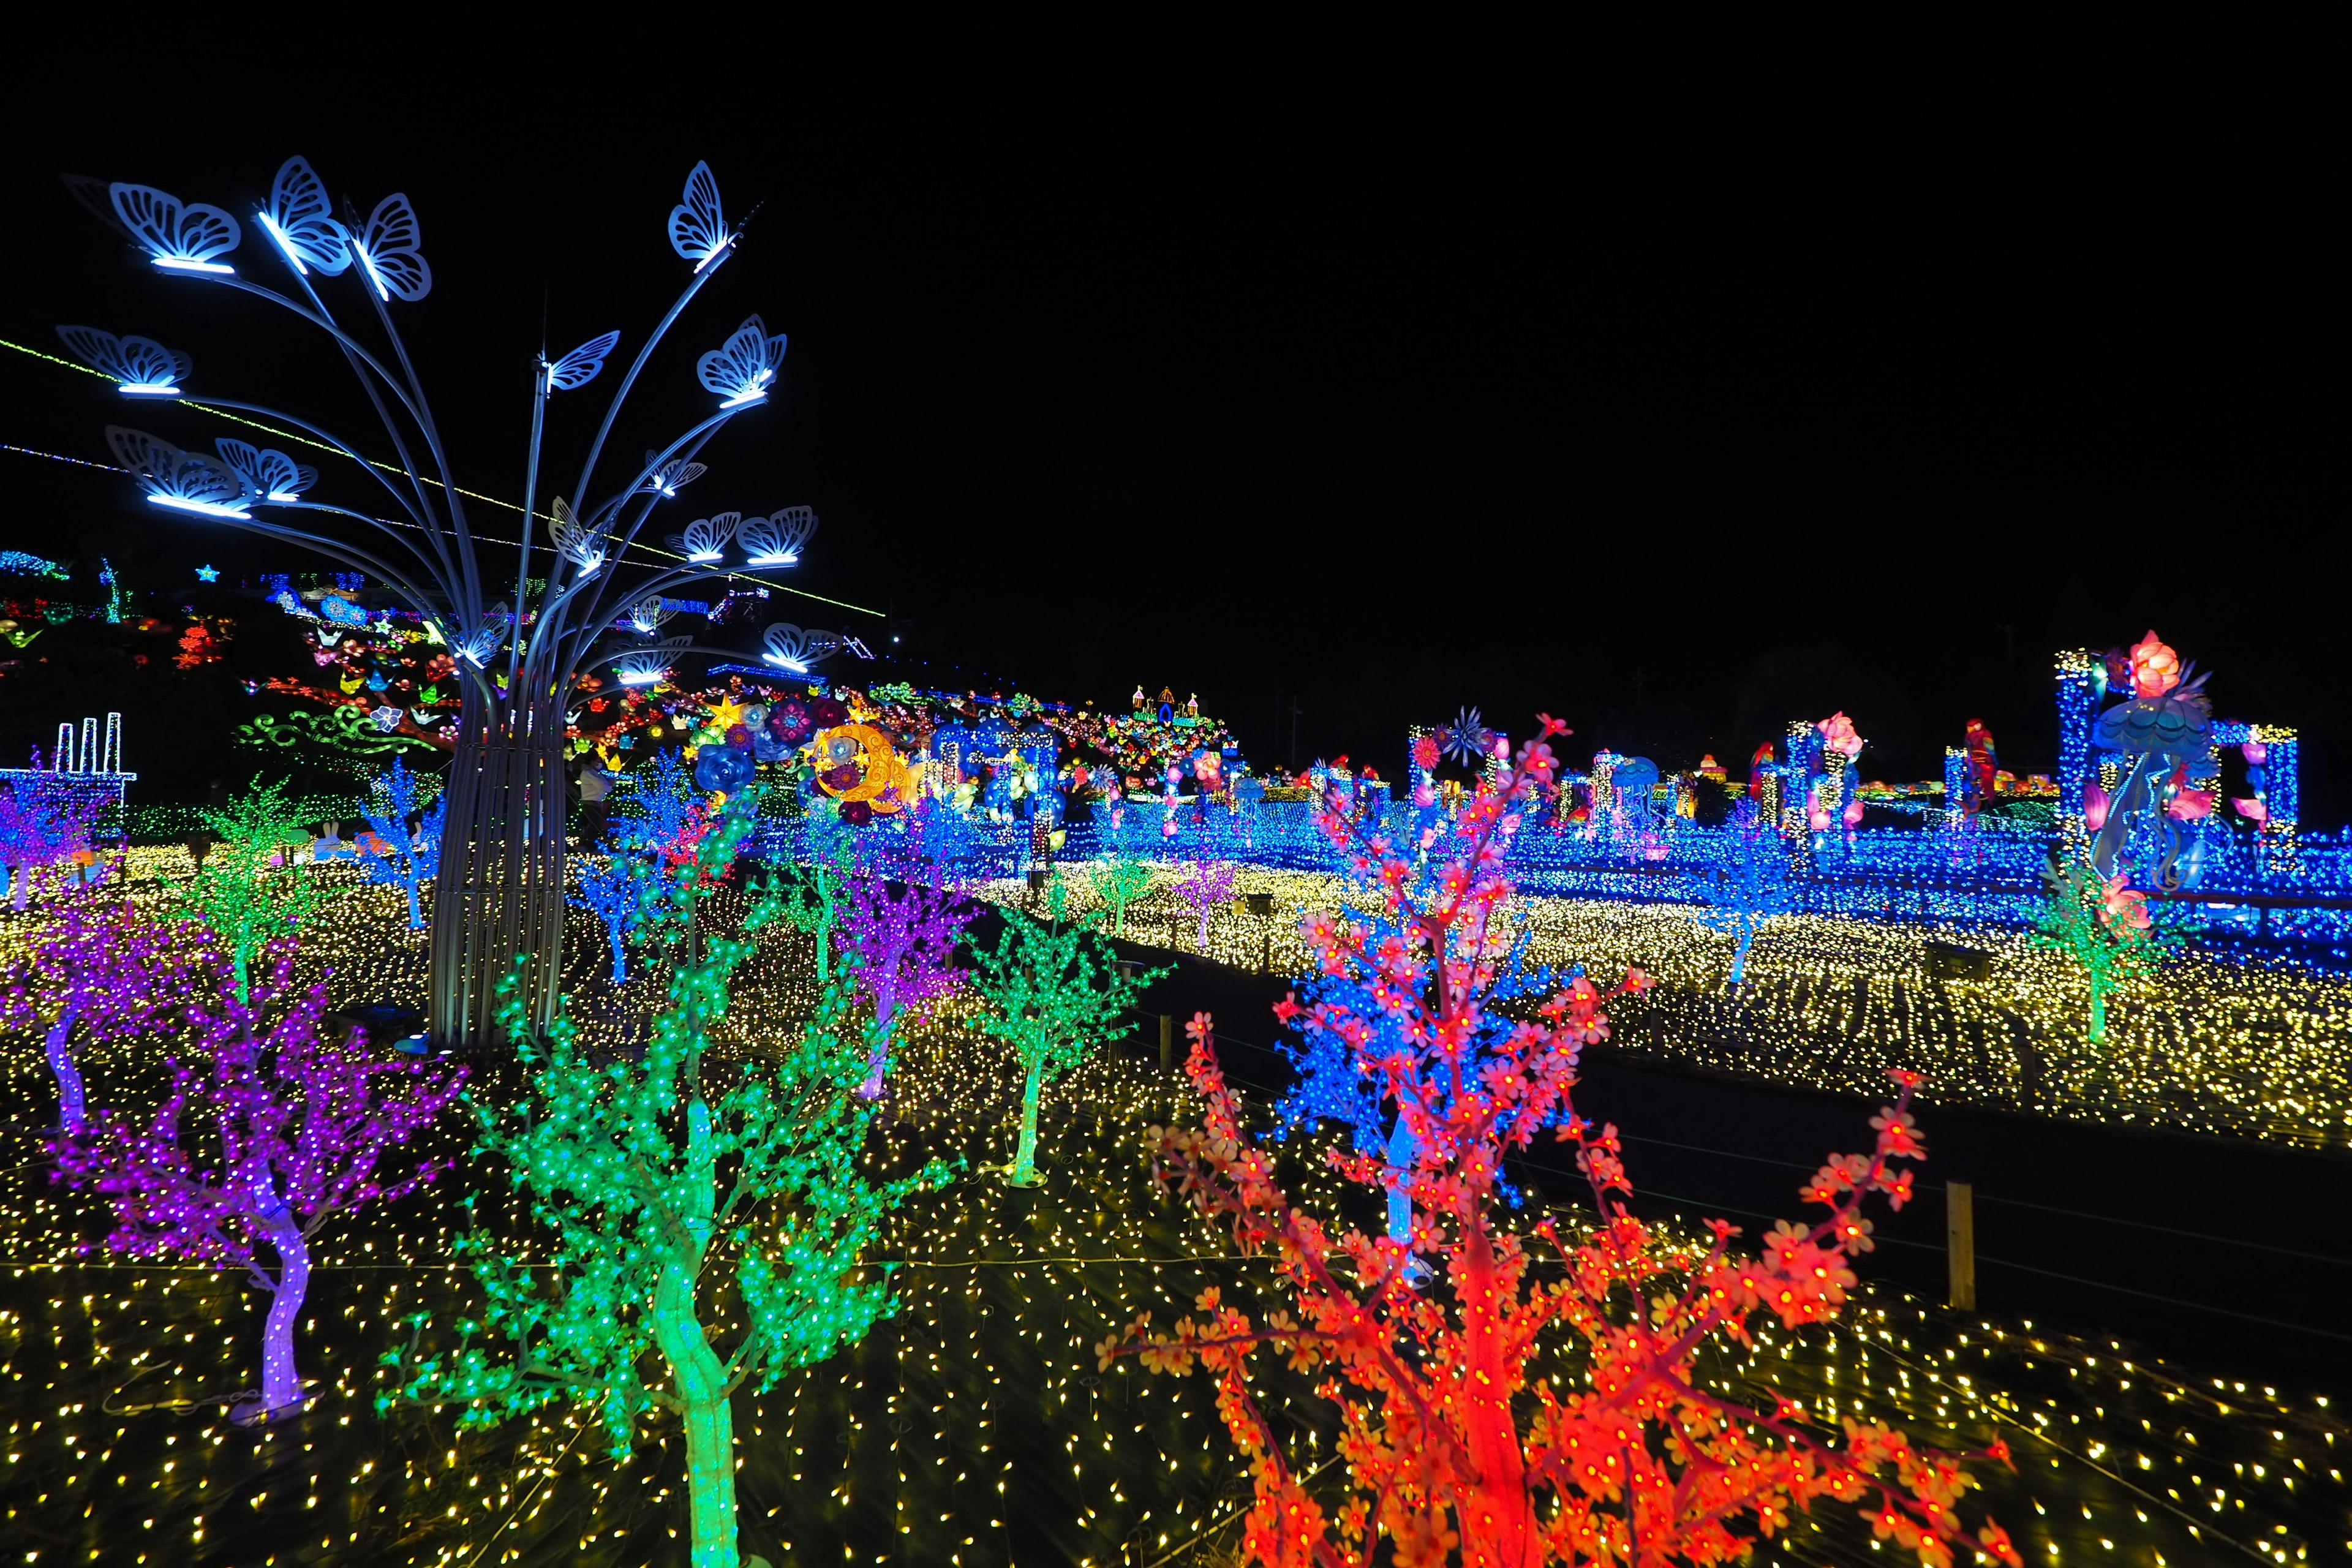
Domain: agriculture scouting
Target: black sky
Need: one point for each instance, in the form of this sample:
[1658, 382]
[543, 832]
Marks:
[1679, 391]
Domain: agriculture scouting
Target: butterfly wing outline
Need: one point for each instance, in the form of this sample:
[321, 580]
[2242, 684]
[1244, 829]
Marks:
[697, 229]
[669, 477]
[171, 230]
[579, 367]
[131, 361]
[647, 614]
[706, 537]
[391, 248]
[740, 369]
[301, 219]
[269, 473]
[776, 540]
[582, 545]
[165, 471]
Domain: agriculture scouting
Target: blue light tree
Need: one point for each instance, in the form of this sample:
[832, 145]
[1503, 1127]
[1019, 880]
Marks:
[410, 854]
[1750, 887]
[613, 893]
[499, 895]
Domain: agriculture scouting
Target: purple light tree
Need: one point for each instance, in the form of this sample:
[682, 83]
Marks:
[1204, 885]
[902, 948]
[104, 966]
[35, 834]
[269, 1133]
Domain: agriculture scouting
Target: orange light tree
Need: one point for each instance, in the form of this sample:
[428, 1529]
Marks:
[1452, 1452]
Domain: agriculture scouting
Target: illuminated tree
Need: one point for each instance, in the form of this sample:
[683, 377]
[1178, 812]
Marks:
[1751, 887]
[1206, 884]
[900, 948]
[1449, 1446]
[269, 1132]
[1119, 882]
[1053, 994]
[519, 652]
[655, 1180]
[613, 893]
[104, 967]
[814, 888]
[410, 852]
[2103, 926]
[35, 834]
[249, 890]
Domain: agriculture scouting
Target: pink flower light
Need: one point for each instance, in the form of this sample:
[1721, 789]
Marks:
[2155, 668]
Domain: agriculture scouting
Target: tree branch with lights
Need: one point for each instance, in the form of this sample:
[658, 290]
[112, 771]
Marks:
[269, 1131]
[1454, 1452]
[249, 890]
[658, 1183]
[900, 950]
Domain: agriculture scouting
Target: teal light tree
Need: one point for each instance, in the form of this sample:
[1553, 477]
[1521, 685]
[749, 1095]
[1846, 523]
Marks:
[249, 889]
[2103, 926]
[653, 1178]
[1119, 882]
[1054, 994]
[814, 888]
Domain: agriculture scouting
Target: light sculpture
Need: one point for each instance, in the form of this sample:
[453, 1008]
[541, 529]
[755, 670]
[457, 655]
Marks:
[269, 1131]
[776, 540]
[140, 367]
[655, 1180]
[407, 844]
[501, 887]
[1053, 994]
[249, 891]
[901, 951]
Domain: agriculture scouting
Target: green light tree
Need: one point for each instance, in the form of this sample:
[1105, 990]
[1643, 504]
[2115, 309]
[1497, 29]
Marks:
[1119, 882]
[250, 887]
[814, 888]
[2103, 926]
[1053, 994]
[655, 1180]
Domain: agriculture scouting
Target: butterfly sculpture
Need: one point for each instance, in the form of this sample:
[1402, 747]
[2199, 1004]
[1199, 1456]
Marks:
[647, 614]
[179, 236]
[187, 481]
[389, 250]
[576, 541]
[705, 537]
[300, 220]
[666, 479]
[697, 229]
[742, 369]
[477, 645]
[271, 475]
[641, 669]
[140, 367]
[579, 367]
[788, 647]
[776, 540]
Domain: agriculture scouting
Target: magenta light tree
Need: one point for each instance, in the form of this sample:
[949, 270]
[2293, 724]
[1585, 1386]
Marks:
[100, 965]
[901, 948]
[269, 1132]
[1206, 884]
[35, 834]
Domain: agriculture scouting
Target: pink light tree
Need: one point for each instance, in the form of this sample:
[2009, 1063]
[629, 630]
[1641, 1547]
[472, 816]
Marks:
[105, 967]
[36, 833]
[269, 1133]
[901, 949]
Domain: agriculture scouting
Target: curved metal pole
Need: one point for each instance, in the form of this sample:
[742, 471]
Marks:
[539, 390]
[359, 356]
[594, 624]
[700, 435]
[338, 445]
[471, 572]
[596, 448]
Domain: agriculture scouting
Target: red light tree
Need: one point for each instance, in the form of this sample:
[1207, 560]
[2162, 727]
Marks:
[1450, 1447]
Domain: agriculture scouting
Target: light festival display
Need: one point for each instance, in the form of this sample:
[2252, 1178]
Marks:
[815, 1196]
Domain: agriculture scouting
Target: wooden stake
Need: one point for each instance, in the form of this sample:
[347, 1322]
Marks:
[1167, 1041]
[1961, 1243]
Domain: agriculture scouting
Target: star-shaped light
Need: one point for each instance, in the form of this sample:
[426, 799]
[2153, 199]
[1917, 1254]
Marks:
[726, 715]
[207, 575]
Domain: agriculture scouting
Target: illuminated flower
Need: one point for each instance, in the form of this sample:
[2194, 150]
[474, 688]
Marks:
[2155, 668]
[1838, 735]
[2189, 805]
[1424, 753]
[827, 713]
[2124, 908]
[2252, 810]
[857, 813]
[2094, 805]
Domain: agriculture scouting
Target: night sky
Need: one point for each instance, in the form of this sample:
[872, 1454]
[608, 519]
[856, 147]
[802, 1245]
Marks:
[1678, 400]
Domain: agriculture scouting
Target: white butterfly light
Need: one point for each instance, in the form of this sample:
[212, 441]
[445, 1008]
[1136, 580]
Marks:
[697, 229]
[705, 539]
[579, 367]
[581, 545]
[179, 236]
[477, 645]
[646, 615]
[742, 369]
[389, 252]
[185, 481]
[301, 222]
[788, 647]
[776, 540]
[669, 477]
[270, 474]
[140, 367]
